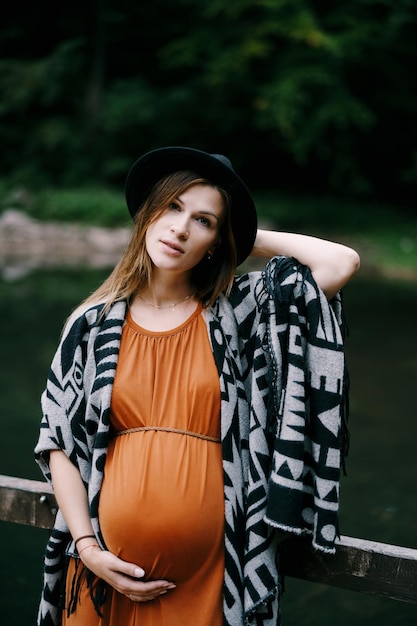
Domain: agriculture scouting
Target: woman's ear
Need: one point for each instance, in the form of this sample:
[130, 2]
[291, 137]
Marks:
[217, 243]
[214, 248]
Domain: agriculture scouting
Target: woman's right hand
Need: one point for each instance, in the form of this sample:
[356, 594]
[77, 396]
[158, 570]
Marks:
[124, 577]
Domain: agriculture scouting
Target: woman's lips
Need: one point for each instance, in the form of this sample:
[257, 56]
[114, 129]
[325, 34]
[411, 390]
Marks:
[173, 247]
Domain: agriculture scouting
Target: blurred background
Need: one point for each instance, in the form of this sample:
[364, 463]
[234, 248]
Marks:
[315, 103]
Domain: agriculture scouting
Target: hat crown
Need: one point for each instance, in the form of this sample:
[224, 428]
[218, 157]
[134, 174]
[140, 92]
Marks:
[224, 160]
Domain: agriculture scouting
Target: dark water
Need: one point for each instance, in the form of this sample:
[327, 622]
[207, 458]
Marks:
[379, 498]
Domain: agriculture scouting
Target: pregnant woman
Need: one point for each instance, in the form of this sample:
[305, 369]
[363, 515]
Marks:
[158, 422]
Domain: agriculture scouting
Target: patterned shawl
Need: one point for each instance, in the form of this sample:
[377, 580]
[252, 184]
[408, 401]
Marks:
[278, 347]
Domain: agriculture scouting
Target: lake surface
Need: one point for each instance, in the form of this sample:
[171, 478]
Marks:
[378, 495]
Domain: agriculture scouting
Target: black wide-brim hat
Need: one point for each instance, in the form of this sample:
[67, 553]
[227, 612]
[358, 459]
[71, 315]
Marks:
[216, 168]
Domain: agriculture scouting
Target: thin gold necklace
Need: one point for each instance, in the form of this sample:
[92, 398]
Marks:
[171, 307]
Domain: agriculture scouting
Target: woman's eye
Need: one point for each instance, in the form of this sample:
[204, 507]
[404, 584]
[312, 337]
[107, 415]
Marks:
[173, 206]
[205, 221]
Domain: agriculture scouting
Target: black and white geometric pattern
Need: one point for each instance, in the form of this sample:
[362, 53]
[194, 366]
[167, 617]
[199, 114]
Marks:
[278, 347]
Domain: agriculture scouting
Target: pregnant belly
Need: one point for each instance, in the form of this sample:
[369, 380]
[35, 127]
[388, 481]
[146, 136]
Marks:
[162, 505]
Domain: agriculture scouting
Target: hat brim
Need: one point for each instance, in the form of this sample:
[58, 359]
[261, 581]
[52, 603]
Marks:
[156, 164]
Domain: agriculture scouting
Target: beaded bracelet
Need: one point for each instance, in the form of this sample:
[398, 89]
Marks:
[90, 545]
[84, 537]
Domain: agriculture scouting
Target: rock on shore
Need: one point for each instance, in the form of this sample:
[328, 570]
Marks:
[27, 244]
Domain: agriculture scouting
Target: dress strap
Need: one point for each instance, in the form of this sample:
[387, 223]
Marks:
[167, 430]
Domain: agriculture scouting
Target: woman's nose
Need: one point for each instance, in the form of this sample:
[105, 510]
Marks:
[180, 227]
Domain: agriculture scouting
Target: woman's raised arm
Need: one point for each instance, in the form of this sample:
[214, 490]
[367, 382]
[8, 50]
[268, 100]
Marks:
[332, 264]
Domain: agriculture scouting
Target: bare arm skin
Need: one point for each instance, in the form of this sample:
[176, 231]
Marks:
[332, 264]
[72, 500]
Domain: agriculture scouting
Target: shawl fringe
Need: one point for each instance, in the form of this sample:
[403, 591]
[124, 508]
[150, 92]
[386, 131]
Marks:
[96, 586]
[262, 603]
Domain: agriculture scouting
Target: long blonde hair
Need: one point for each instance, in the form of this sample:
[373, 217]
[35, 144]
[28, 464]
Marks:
[133, 272]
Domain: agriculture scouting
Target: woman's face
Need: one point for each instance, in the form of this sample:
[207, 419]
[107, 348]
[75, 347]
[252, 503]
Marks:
[187, 229]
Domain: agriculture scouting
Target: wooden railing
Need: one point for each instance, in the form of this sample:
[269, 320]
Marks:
[358, 565]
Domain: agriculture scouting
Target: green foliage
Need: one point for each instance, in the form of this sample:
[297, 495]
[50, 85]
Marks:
[93, 205]
[86, 205]
[324, 88]
[36, 115]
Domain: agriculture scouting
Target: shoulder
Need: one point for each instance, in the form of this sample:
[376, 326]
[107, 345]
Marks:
[280, 271]
[247, 279]
[87, 327]
[285, 278]
[282, 279]
[91, 319]
[81, 319]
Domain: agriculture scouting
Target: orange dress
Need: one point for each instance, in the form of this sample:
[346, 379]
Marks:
[161, 504]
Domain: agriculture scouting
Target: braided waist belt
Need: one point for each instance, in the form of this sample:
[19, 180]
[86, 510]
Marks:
[166, 430]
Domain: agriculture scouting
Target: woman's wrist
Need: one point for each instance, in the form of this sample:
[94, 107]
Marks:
[82, 537]
[85, 553]
[91, 545]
